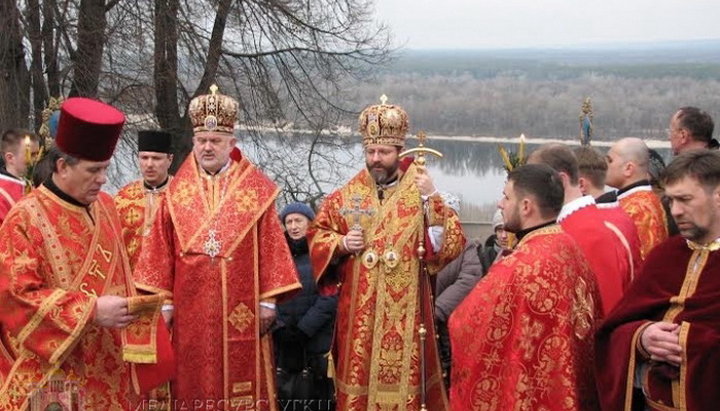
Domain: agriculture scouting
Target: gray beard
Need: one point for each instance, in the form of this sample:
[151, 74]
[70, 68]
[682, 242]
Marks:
[383, 176]
[380, 177]
[695, 233]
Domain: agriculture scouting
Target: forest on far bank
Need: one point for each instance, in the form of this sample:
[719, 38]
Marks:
[634, 91]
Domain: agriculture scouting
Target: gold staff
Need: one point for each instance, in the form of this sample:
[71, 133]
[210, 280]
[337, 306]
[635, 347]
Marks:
[423, 276]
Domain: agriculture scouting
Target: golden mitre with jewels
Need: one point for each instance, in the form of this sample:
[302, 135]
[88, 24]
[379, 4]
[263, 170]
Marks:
[384, 124]
[213, 112]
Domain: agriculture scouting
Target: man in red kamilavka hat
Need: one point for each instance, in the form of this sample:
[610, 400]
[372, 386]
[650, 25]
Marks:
[74, 332]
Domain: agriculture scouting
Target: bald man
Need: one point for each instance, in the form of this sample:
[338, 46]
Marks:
[628, 161]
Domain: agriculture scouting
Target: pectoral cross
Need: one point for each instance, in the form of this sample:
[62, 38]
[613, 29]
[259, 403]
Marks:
[356, 212]
[212, 245]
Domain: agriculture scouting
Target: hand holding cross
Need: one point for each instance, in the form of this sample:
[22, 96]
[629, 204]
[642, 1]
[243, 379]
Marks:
[354, 241]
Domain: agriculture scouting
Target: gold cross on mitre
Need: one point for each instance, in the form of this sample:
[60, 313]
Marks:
[213, 89]
[383, 100]
[356, 212]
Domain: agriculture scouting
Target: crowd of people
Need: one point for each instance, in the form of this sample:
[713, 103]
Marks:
[192, 291]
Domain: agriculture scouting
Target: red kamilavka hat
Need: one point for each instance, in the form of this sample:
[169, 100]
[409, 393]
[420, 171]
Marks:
[88, 129]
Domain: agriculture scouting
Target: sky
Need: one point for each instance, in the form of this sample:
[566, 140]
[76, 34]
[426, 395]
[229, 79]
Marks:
[469, 24]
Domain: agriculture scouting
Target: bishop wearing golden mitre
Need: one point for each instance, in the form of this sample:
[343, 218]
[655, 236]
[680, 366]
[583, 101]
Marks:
[217, 251]
[372, 227]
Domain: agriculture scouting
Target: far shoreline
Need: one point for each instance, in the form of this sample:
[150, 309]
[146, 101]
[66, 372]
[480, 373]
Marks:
[651, 143]
[343, 132]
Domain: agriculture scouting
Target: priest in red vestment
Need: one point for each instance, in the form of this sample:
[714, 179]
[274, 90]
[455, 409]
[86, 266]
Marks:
[18, 149]
[74, 332]
[628, 161]
[658, 348]
[138, 201]
[592, 170]
[372, 226]
[525, 332]
[603, 243]
[217, 250]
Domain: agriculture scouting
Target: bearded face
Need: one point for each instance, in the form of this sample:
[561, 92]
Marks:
[510, 206]
[382, 162]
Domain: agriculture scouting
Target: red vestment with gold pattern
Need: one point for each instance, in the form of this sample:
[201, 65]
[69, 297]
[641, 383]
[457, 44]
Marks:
[646, 210]
[136, 205]
[377, 348]
[523, 338]
[216, 249]
[11, 191]
[56, 258]
[679, 283]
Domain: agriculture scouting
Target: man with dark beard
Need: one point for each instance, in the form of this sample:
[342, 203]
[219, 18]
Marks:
[372, 227]
[658, 348]
[526, 330]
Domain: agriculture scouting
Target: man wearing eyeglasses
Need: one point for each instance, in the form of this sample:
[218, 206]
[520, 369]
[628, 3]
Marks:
[217, 251]
[372, 227]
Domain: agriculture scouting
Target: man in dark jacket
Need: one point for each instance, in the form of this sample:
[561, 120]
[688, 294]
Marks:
[452, 284]
[304, 323]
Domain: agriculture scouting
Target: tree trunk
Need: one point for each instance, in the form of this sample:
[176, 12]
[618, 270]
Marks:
[49, 44]
[14, 75]
[214, 48]
[89, 51]
[167, 108]
[39, 89]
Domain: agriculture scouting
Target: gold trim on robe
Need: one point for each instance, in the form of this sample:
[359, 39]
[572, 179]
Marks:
[76, 255]
[216, 247]
[376, 350]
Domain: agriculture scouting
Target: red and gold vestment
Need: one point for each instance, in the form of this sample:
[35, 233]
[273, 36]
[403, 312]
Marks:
[646, 211]
[523, 338]
[216, 248]
[56, 258]
[136, 206]
[376, 348]
[11, 191]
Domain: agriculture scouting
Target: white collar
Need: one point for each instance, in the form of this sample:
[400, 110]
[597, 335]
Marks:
[614, 204]
[12, 179]
[575, 205]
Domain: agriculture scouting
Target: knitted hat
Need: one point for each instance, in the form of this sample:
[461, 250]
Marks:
[297, 208]
[497, 219]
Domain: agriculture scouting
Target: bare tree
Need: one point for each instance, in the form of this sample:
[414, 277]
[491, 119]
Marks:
[14, 75]
[287, 62]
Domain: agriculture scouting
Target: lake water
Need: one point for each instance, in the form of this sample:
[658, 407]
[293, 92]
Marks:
[470, 168]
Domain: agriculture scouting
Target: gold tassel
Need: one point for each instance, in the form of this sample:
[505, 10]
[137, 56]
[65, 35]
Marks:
[331, 365]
